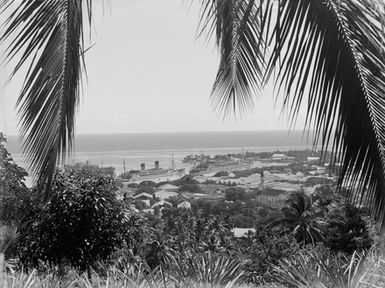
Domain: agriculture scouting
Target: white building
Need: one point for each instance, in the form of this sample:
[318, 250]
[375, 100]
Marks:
[184, 205]
[163, 194]
[279, 157]
[243, 232]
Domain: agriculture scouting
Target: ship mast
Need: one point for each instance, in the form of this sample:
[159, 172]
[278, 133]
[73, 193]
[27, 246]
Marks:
[172, 162]
[124, 165]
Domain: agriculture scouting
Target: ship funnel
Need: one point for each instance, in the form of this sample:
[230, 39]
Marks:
[156, 164]
[143, 166]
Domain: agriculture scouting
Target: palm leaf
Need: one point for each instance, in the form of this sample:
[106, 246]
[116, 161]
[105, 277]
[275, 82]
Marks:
[333, 50]
[237, 25]
[47, 36]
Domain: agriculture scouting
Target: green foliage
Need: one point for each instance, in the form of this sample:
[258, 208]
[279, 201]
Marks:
[235, 193]
[264, 249]
[221, 174]
[326, 218]
[205, 270]
[81, 223]
[187, 179]
[15, 197]
[192, 188]
[146, 189]
[194, 234]
[346, 230]
[147, 183]
[313, 269]
[301, 218]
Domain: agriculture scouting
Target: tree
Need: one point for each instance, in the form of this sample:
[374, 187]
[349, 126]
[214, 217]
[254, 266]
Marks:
[221, 174]
[346, 230]
[302, 218]
[192, 188]
[264, 250]
[82, 223]
[327, 51]
[15, 197]
[235, 193]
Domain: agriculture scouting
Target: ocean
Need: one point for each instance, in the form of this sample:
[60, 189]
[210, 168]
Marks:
[133, 149]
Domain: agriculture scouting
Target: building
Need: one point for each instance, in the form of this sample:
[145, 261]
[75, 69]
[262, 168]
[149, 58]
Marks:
[277, 157]
[163, 194]
[313, 159]
[161, 203]
[243, 232]
[184, 205]
[144, 197]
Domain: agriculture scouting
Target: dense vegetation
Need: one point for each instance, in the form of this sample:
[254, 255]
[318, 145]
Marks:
[84, 227]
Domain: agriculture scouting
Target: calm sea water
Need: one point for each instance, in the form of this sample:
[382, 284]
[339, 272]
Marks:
[133, 149]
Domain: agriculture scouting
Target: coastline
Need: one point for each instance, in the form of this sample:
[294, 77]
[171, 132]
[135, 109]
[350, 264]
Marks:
[133, 159]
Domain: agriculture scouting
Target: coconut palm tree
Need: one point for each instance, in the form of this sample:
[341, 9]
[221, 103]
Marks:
[302, 218]
[328, 53]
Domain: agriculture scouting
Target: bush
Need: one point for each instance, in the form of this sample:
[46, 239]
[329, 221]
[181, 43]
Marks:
[15, 197]
[193, 188]
[264, 250]
[346, 231]
[235, 193]
[81, 223]
[221, 174]
[147, 183]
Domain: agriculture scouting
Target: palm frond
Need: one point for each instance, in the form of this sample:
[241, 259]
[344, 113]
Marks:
[46, 36]
[237, 26]
[332, 50]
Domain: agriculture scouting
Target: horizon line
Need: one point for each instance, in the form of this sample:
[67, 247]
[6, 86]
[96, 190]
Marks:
[305, 131]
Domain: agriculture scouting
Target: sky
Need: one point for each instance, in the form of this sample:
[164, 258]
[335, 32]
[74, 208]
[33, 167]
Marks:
[147, 72]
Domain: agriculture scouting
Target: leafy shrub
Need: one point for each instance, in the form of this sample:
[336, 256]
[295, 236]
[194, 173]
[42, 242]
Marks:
[81, 223]
[235, 193]
[147, 183]
[265, 249]
[187, 179]
[193, 188]
[15, 197]
[346, 231]
[221, 174]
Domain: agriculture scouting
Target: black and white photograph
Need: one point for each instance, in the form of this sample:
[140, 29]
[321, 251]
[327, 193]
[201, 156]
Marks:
[192, 143]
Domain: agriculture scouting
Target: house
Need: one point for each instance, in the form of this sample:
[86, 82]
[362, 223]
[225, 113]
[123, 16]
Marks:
[277, 157]
[184, 205]
[313, 159]
[243, 232]
[163, 194]
[299, 174]
[143, 196]
[127, 191]
[168, 187]
[161, 203]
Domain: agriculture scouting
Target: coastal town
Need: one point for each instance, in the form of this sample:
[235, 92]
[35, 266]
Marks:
[265, 177]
